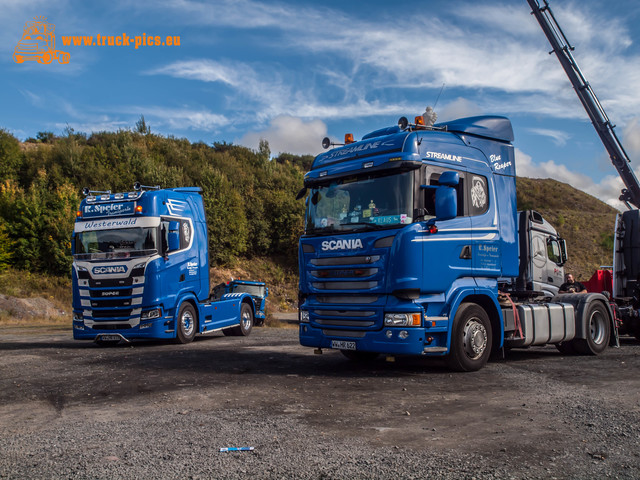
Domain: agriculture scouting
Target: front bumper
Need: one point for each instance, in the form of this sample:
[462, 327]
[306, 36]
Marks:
[157, 328]
[417, 341]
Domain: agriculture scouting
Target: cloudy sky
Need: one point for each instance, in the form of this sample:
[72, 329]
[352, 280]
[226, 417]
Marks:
[292, 72]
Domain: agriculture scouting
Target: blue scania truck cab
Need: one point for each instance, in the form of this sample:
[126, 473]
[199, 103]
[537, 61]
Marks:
[141, 269]
[258, 291]
[413, 246]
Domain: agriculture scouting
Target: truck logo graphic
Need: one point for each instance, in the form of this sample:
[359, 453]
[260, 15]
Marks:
[39, 43]
[108, 209]
[342, 244]
[109, 269]
[478, 195]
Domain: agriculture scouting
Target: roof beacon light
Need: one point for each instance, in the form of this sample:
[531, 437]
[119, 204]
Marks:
[419, 121]
[348, 138]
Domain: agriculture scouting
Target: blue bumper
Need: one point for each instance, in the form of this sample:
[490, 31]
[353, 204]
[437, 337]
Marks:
[149, 329]
[417, 341]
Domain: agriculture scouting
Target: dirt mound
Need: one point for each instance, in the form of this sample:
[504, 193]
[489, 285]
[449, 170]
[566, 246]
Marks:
[21, 308]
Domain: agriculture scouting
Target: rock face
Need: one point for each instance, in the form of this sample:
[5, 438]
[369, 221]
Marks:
[28, 307]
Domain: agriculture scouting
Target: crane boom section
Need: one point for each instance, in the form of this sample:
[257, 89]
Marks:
[590, 102]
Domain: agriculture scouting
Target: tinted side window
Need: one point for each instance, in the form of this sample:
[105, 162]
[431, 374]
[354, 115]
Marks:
[430, 194]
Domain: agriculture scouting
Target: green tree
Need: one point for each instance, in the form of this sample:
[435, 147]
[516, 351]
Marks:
[5, 248]
[10, 156]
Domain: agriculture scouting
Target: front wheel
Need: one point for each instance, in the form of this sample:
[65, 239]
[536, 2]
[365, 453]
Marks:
[471, 339]
[187, 321]
[598, 331]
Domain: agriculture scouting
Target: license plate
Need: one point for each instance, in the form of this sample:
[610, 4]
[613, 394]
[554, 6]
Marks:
[343, 345]
[110, 338]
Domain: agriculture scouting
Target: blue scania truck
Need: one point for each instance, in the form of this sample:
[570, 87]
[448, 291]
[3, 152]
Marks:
[141, 269]
[413, 246]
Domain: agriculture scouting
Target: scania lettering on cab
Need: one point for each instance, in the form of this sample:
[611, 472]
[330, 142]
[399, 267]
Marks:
[413, 246]
[141, 269]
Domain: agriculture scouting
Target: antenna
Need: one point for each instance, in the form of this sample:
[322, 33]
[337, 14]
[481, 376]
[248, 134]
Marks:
[438, 97]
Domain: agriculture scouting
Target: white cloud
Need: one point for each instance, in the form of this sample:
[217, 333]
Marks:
[207, 71]
[102, 124]
[180, 118]
[32, 98]
[559, 137]
[631, 135]
[459, 108]
[287, 134]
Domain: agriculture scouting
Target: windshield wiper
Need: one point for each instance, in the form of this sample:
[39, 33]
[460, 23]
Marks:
[365, 226]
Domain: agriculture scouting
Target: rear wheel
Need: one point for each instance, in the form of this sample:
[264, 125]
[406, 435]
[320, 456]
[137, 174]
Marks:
[246, 323]
[598, 331]
[470, 339]
[187, 321]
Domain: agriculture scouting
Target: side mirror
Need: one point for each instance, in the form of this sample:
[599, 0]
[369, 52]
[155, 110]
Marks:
[174, 236]
[563, 252]
[301, 193]
[446, 202]
[449, 179]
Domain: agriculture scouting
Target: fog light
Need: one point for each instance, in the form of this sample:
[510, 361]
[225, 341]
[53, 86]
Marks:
[78, 327]
[403, 334]
[149, 314]
[145, 325]
[389, 333]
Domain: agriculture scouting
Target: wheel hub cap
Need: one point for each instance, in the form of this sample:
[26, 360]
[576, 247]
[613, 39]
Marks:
[475, 339]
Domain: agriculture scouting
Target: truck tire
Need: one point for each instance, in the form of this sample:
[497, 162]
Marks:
[471, 339]
[246, 322]
[360, 357]
[186, 323]
[598, 329]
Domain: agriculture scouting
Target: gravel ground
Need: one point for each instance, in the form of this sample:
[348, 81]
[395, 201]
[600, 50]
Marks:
[154, 410]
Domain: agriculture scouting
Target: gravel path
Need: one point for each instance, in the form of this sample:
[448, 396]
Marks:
[153, 410]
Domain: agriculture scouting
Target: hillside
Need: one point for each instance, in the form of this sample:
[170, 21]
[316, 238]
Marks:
[585, 222]
[253, 217]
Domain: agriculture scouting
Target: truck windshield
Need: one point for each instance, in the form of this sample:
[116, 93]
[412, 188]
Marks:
[118, 243]
[255, 290]
[361, 202]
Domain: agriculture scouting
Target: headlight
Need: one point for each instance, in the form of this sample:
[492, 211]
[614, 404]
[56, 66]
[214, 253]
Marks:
[77, 317]
[304, 316]
[149, 314]
[402, 319]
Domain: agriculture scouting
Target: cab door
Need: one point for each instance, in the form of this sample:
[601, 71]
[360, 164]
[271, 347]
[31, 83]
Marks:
[446, 253]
